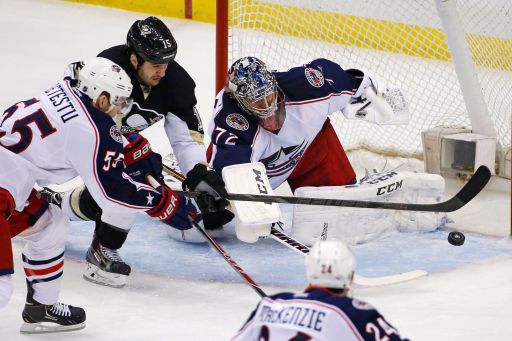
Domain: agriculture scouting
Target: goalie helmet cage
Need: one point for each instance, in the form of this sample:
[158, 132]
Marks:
[452, 58]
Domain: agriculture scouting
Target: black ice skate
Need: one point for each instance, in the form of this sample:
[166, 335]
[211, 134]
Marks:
[59, 317]
[105, 266]
[51, 196]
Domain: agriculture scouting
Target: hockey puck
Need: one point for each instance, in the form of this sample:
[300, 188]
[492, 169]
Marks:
[456, 238]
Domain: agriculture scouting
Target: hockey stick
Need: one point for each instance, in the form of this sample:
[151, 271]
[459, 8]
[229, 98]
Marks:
[219, 249]
[468, 192]
[228, 259]
[358, 279]
[303, 249]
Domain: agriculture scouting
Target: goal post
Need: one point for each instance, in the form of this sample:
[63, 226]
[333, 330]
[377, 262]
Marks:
[452, 59]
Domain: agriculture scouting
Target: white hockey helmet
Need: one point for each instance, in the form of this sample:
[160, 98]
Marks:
[330, 264]
[103, 75]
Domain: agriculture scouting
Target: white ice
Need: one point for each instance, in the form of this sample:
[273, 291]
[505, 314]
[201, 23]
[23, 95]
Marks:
[187, 292]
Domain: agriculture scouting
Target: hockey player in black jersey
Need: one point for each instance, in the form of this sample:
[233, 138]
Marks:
[162, 90]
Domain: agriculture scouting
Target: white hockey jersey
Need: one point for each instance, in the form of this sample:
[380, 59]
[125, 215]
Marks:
[58, 135]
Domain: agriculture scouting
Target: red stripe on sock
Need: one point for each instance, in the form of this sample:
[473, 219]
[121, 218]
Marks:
[46, 271]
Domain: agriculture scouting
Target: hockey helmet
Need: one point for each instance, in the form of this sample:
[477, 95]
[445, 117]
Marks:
[253, 86]
[151, 40]
[103, 75]
[330, 264]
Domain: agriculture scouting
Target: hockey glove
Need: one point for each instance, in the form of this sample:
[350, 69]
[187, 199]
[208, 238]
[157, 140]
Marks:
[174, 209]
[203, 179]
[140, 161]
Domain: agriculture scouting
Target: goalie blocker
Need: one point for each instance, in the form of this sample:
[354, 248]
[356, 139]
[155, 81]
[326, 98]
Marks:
[356, 225]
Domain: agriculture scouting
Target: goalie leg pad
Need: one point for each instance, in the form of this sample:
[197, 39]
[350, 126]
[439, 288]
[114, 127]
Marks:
[356, 225]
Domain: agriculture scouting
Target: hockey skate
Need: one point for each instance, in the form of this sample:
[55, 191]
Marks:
[105, 266]
[51, 196]
[59, 317]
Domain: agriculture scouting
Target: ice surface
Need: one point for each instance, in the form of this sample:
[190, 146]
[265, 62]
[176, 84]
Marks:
[187, 292]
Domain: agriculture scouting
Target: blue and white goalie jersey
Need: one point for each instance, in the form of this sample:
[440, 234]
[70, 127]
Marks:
[311, 93]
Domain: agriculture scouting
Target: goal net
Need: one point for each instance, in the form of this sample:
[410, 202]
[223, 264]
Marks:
[402, 42]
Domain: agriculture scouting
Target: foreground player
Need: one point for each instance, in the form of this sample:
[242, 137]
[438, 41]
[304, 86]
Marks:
[52, 138]
[324, 311]
[163, 89]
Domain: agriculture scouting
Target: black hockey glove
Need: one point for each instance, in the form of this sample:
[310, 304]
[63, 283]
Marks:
[203, 179]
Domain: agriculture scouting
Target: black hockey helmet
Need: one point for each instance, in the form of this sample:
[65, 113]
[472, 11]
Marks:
[152, 41]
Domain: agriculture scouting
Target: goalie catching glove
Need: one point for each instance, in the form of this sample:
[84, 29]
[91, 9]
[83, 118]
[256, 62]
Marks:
[140, 160]
[376, 102]
[174, 209]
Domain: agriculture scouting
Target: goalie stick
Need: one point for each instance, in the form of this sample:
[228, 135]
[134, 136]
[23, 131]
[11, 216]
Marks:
[303, 249]
[358, 279]
[466, 194]
[219, 249]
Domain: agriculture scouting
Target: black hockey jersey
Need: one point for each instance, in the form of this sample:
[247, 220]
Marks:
[174, 99]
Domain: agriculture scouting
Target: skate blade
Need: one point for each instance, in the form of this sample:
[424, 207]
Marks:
[48, 327]
[95, 275]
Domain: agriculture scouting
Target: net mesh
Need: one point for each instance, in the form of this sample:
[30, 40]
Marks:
[401, 42]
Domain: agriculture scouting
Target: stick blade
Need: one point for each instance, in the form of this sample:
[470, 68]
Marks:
[477, 182]
[388, 280]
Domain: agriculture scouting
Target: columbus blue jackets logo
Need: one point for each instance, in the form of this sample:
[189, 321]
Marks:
[237, 122]
[314, 77]
[115, 134]
[284, 160]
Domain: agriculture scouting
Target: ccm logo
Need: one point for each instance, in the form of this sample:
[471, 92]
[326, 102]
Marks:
[382, 178]
[169, 211]
[260, 183]
[389, 188]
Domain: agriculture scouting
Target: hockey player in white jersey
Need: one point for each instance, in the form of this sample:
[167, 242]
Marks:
[324, 311]
[66, 131]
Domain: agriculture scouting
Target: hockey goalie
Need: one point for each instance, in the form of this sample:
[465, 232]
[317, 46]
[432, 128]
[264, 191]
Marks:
[281, 119]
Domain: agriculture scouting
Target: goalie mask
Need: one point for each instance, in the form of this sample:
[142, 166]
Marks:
[101, 75]
[253, 86]
[330, 264]
[152, 41]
